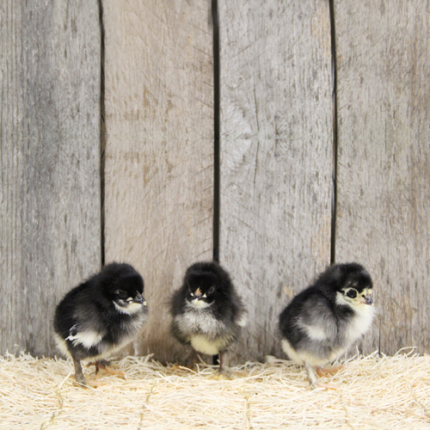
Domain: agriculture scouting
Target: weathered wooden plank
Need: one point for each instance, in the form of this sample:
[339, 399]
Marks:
[276, 156]
[384, 161]
[49, 155]
[159, 148]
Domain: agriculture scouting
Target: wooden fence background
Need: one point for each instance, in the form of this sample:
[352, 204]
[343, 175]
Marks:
[114, 114]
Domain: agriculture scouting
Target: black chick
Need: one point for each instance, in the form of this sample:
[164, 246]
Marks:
[207, 312]
[325, 319]
[100, 316]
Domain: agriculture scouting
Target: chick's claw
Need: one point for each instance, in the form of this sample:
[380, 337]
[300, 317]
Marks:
[326, 386]
[222, 376]
[324, 371]
[105, 365]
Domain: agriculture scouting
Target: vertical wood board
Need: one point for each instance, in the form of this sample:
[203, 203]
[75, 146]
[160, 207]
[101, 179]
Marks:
[49, 155]
[159, 149]
[276, 156]
[383, 58]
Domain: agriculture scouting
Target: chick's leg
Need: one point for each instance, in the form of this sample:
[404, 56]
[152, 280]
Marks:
[104, 365]
[191, 362]
[311, 375]
[79, 374]
[223, 371]
[314, 382]
[222, 360]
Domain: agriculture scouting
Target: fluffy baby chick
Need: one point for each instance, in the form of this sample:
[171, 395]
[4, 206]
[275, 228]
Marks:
[325, 319]
[100, 316]
[207, 312]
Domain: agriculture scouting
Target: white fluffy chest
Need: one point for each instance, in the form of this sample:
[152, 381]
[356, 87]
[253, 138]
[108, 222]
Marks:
[202, 344]
[87, 338]
[199, 321]
[360, 323]
[130, 309]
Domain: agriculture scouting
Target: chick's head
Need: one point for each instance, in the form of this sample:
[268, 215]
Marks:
[352, 283]
[126, 293]
[202, 289]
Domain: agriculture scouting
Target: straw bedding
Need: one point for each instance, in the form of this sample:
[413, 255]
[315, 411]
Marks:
[373, 393]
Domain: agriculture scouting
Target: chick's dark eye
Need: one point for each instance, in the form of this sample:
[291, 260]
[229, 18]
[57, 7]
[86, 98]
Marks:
[121, 293]
[352, 294]
[211, 290]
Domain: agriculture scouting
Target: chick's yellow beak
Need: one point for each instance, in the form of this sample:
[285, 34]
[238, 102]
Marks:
[139, 299]
[368, 299]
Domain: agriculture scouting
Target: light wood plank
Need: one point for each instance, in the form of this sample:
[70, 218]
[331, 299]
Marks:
[383, 58]
[276, 156]
[50, 158]
[159, 148]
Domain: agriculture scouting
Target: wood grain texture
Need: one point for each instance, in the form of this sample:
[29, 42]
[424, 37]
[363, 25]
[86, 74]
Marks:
[49, 155]
[276, 156]
[159, 149]
[383, 55]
